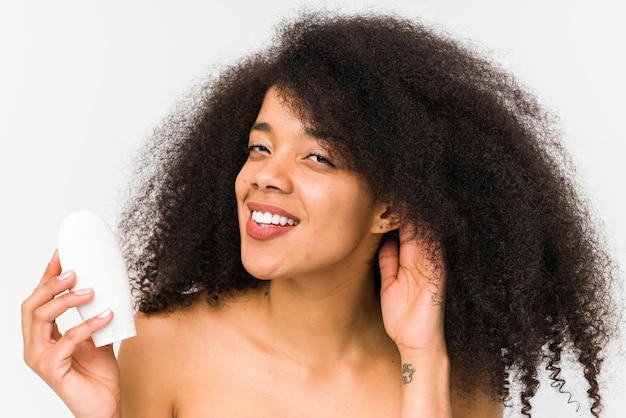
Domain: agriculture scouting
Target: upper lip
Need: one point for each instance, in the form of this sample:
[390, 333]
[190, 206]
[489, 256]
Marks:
[264, 207]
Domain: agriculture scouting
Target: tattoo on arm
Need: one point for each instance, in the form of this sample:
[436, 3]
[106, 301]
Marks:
[407, 373]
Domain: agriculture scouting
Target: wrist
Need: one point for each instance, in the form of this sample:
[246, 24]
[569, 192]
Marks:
[432, 366]
[425, 382]
[431, 351]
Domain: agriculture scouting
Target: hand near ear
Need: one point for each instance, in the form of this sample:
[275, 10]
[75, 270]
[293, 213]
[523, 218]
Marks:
[412, 293]
[412, 302]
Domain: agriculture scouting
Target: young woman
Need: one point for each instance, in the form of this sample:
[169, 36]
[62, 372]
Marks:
[403, 238]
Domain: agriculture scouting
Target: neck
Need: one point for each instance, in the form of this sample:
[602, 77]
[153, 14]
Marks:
[324, 319]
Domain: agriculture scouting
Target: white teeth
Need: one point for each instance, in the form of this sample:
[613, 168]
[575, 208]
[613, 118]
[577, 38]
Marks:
[269, 218]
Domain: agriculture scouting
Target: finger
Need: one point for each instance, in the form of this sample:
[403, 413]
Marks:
[44, 317]
[418, 253]
[40, 296]
[421, 259]
[68, 343]
[427, 267]
[50, 286]
[53, 268]
[388, 263]
[43, 330]
[54, 359]
[44, 293]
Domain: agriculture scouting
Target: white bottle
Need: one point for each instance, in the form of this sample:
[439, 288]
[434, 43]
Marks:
[88, 246]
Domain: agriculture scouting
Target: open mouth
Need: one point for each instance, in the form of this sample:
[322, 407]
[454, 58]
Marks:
[268, 218]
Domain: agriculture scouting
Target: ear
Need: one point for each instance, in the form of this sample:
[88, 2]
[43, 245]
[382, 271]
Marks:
[386, 220]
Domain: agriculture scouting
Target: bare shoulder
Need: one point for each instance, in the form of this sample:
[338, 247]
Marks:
[172, 353]
[145, 368]
[197, 361]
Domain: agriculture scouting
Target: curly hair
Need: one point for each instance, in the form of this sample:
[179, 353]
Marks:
[456, 145]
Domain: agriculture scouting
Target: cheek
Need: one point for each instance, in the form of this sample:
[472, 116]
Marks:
[241, 191]
[349, 202]
[356, 212]
[241, 184]
[347, 216]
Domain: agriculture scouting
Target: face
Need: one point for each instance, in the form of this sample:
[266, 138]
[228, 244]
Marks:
[300, 213]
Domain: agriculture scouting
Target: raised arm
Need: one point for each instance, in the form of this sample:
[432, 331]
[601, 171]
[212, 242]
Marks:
[412, 303]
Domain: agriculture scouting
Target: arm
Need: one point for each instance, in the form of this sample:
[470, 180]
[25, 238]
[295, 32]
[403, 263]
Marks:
[426, 385]
[412, 302]
[412, 297]
[425, 388]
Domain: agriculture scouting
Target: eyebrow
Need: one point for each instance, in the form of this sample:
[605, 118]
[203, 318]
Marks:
[267, 128]
[261, 126]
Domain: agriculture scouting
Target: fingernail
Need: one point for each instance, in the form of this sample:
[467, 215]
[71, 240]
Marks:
[81, 292]
[65, 275]
[105, 314]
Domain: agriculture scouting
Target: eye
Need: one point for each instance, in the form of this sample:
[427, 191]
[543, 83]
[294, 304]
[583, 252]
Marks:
[319, 158]
[256, 148]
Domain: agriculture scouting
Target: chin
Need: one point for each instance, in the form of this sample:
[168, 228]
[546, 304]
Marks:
[260, 271]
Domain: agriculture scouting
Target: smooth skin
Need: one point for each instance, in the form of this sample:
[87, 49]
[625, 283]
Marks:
[314, 339]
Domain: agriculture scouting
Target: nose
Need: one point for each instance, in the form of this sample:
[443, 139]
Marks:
[273, 174]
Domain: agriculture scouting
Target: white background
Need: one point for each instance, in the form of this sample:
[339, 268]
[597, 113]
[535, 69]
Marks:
[83, 83]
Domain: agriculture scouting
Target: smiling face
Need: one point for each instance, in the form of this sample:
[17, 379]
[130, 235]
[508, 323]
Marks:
[300, 213]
